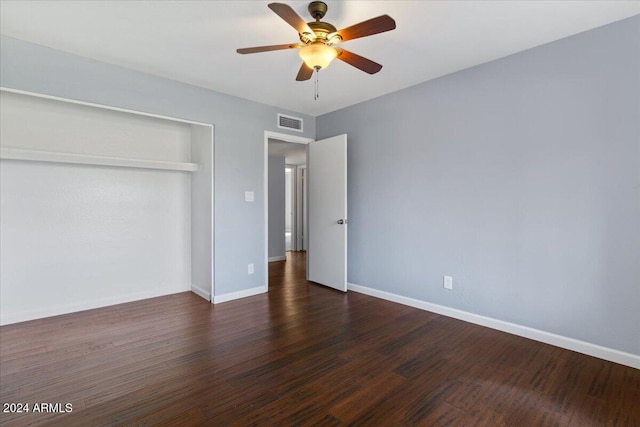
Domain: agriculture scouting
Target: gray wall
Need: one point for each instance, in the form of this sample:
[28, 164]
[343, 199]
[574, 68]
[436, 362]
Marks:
[276, 207]
[519, 177]
[239, 138]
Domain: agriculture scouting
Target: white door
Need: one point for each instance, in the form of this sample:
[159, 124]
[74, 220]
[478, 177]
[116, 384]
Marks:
[327, 190]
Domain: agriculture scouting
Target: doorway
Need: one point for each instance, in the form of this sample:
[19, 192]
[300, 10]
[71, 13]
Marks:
[285, 199]
[295, 207]
[326, 222]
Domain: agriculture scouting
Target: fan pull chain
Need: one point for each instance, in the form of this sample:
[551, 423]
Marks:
[316, 95]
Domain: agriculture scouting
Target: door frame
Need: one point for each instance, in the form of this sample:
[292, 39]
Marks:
[294, 205]
[301, 207]
[281, 137]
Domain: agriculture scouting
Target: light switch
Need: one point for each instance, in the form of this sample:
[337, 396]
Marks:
[248, 196]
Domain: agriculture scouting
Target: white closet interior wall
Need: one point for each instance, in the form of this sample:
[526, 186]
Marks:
[84, 232]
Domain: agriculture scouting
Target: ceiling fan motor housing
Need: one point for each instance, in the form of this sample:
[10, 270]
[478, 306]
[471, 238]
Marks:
[321, 30]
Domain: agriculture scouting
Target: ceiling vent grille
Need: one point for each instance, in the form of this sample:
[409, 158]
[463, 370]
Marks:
[288, 122]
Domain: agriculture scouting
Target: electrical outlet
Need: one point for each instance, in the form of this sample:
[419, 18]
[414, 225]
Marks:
[448, 282]
[250, 269]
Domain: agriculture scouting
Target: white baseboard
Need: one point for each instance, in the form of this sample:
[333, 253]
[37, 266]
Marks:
[595, 350]
[217, 299]
[6, 319]
[201, 292]
[277, 258]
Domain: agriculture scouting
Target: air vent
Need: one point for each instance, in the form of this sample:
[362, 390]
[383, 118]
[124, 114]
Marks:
[288, 122]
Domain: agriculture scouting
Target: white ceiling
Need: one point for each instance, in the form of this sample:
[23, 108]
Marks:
[195, 41]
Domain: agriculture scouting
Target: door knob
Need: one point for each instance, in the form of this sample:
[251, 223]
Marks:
[343, 221]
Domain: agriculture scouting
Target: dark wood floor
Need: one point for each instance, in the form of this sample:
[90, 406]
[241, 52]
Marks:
[300, 355]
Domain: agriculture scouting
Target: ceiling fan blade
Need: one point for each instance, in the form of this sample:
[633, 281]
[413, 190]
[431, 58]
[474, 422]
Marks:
[268, 48]
[285, 12]
[368, 28]
[305, 73]
[360, 62]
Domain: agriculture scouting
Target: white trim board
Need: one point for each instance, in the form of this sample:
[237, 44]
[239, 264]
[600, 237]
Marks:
[12, 153]
[583, 347]
[277, 258]
[201, 292]
[102, 106]
[217, 299]
[89, 305]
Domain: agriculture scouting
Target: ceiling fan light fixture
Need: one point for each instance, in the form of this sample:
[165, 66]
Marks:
[317, 55]
[317, 39]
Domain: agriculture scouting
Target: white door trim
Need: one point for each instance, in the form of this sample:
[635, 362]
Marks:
[294, 206]
[301, 207]
[282, 137]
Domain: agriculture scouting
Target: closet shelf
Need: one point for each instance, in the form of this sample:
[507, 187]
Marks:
[11, 153]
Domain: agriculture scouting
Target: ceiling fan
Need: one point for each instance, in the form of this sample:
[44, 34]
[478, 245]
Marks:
[318, 39]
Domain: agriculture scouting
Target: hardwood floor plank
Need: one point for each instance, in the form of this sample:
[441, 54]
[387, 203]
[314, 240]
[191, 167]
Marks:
[442, 414]
[364, 400]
